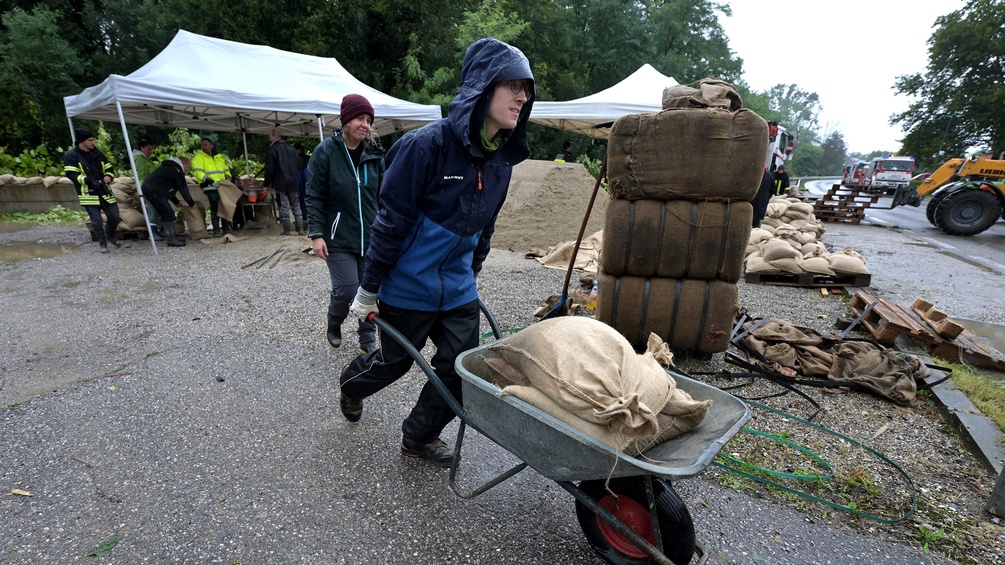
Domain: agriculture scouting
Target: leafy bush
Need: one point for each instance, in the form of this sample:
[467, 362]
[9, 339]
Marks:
[38, 162]
[57, 215]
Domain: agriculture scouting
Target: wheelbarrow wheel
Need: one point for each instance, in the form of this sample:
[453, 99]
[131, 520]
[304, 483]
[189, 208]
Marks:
[676, 527]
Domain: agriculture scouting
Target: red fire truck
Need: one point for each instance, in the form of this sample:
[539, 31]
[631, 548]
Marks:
[780, 146]
[854, 174]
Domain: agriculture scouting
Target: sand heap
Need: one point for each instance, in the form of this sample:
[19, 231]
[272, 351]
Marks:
[546, 204]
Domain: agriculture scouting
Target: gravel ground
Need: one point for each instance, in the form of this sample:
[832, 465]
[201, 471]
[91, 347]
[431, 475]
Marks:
[185, 406]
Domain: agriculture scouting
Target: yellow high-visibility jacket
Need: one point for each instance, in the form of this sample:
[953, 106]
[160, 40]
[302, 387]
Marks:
[215, 167]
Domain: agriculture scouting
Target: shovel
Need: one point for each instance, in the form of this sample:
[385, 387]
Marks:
[562, 309]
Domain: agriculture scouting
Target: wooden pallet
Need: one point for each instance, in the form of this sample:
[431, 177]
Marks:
[938, 319]
[843, 204]
[885, 321]
[808, 279]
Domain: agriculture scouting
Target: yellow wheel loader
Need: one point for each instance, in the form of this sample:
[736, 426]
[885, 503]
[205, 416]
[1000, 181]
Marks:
[966, 195]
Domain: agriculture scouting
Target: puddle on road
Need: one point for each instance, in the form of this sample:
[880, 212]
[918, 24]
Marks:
[21, 250]
[994, 333]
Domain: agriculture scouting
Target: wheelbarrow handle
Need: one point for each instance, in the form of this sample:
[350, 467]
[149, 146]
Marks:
[394, 334]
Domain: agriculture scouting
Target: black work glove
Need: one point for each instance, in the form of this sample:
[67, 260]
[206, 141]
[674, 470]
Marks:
[206, 181]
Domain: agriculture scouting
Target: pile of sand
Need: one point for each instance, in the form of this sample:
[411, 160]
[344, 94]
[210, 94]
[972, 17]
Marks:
[546, 204]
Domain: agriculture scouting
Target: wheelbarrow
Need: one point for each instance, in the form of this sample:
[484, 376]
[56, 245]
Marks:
[645, 521]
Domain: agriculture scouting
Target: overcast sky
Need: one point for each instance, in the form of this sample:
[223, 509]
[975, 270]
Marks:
[848, 52]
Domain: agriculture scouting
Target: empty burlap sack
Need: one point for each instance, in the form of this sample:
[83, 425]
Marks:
[587, 255]
[695, 154]
[229, 195]
[706, 93]
[195, 219]
[586, 388]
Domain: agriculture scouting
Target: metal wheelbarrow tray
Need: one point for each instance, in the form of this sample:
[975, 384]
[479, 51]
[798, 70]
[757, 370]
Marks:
[563, 453]
[646, 522]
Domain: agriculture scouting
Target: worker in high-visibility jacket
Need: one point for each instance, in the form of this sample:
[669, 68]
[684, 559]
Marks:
[90, 172]
[209, 168]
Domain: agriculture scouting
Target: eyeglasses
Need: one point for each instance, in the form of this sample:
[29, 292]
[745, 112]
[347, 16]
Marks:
[516, 86]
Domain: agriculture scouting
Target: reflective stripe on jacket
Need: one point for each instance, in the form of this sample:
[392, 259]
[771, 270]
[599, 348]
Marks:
[215, 167]
[83, 168]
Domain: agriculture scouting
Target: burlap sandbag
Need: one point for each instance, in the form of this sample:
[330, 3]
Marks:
[195, 220]
[693, 154]
[676, 239]
[686, 313]
[591, 370]
[815, 249]
[757, 235]
[775, 249]
[817, 266]
[132, 218]
[6, 179]
[756, 264]
[847, 265]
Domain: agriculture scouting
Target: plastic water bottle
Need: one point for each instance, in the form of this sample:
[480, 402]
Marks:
[593, 297]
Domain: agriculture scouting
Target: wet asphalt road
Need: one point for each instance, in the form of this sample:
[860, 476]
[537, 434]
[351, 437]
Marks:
[204, 429]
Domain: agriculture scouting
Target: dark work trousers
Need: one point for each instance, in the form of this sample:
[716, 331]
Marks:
[111, 210]
[346, 270]
[161, 204]
[452, 332]
[214, 203]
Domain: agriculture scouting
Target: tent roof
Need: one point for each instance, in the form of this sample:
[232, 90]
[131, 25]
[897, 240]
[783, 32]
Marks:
[212, 84]
[642, 91]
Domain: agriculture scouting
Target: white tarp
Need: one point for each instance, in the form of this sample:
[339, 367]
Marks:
[642, 91]
[203, 83]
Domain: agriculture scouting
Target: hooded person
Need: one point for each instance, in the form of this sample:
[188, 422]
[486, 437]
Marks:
[441, 194]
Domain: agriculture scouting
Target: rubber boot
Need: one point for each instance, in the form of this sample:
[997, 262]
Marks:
[110, 233]
[172, 239]
[300, 226]
[227, 226]
[102, 241]
[286, 225]
[216, 226]
[156, 235]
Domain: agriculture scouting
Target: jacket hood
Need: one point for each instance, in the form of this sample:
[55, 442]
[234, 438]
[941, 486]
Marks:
[486, 62]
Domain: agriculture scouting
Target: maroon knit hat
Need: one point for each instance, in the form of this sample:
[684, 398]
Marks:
[352, 106]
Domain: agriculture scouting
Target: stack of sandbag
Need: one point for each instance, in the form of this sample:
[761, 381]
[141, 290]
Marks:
[587, 375]
[188, 221]
[788, 241]
[677, 225]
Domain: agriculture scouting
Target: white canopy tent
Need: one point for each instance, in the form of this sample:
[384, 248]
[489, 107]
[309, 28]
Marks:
[203, 83]
[642, 91]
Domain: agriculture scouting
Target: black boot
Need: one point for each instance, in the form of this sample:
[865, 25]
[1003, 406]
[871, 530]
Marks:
[300, 226]
[216, 226]
[110, 233]
[102, 240]
[172, 239]
[286, 225]
[334, 334]
[227, 226]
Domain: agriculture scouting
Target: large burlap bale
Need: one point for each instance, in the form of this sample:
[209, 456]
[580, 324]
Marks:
[676, 239]
[692, 154]
[685, 313]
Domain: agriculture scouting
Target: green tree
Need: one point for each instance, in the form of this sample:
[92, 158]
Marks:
[32, 104]
[960, 97]
[833, 155]
[805, 161]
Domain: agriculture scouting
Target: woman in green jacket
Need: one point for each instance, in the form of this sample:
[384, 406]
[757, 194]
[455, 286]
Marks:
[343, 177]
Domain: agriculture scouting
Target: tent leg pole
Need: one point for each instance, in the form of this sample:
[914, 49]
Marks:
[247, 163]
[321, 129]
[70, 120]
[136, 177]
